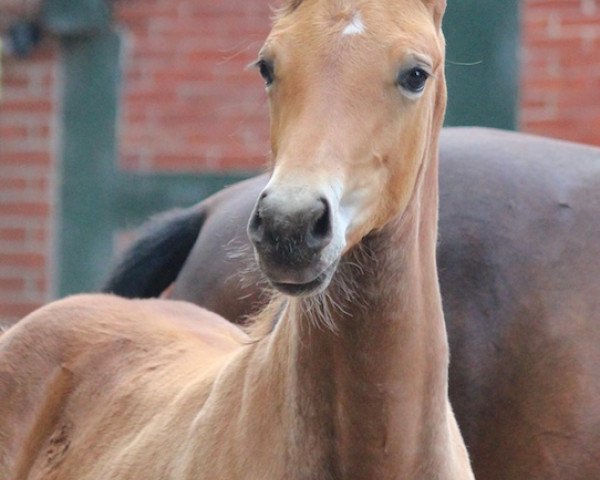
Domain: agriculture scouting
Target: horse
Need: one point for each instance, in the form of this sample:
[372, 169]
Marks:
[345, 373]
[519, 263]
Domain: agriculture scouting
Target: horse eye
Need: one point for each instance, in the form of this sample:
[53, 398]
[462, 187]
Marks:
[413, 80]
[266, 71]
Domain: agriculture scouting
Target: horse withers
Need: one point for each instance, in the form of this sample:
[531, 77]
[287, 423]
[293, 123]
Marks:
[352, 380]
[519, 267]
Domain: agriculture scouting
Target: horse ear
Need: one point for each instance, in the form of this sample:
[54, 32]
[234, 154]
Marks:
[438, 7]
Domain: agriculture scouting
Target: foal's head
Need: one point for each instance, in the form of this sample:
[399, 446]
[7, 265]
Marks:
[357, 95]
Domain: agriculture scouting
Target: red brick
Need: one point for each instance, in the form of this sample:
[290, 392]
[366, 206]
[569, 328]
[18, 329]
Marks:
[581, 101]
[39, 235]
[245, 162]
[580, 20]
[558, 84]
[12, 284]
[40, 285]
[26, 209]
[13, 234]
[559, 6]
[556, 44]
[8, 183]
[9, 132]
[22, 260]
[14, 311]
[29, 105]
[24, 158]
[176, 162]
[41, 132]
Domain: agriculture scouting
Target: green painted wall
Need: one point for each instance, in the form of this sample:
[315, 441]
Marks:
[482, 38]
[92, 78]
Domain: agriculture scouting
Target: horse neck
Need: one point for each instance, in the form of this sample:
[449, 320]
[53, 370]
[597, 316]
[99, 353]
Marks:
[374, 388]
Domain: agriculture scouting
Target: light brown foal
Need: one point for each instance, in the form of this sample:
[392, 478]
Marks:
[350, 382]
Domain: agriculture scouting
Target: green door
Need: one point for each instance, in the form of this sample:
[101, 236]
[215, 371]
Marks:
[97, 200]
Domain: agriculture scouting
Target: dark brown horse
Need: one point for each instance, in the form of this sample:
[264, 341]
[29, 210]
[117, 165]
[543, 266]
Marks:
[519, 266]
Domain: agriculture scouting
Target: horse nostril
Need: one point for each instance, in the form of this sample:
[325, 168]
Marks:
[319, 233]
[255, 227]
[277, 227]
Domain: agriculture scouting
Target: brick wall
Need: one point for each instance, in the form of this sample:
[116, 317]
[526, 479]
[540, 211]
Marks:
[189, 104]
[561, 69]
[28, 131]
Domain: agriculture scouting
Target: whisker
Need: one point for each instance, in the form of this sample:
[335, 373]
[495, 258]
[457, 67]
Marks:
[464, 64]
